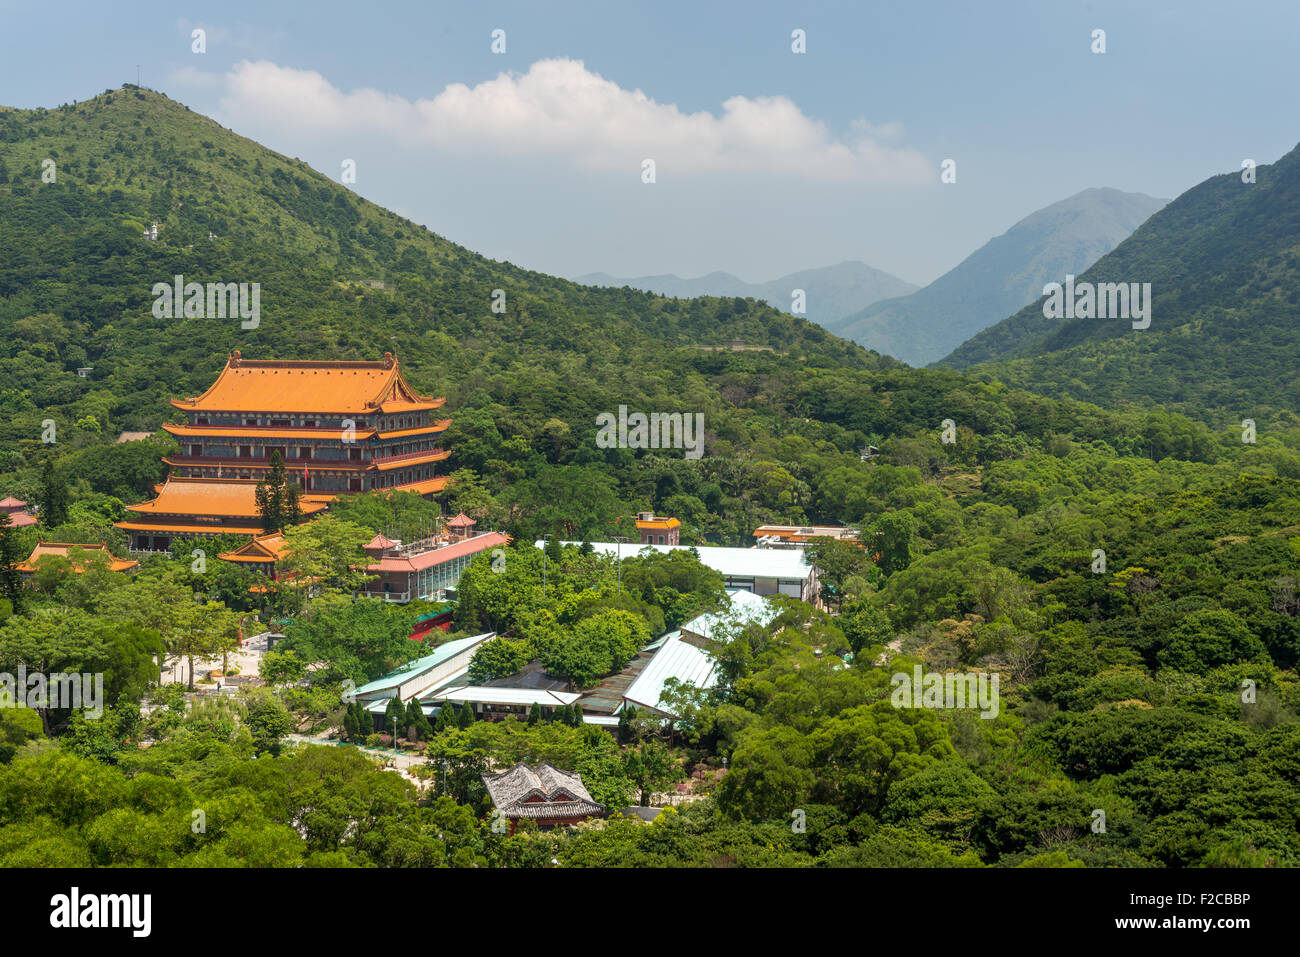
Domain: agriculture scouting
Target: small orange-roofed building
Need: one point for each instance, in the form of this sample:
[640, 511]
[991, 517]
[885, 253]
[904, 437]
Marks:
[657, 530]
[260, 553]
[800, 536]
[61, 550]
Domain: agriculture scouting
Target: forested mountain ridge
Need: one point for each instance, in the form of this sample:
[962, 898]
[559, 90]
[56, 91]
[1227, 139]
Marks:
[831, 292]
[999, 277]
[524, 386]
[1223, 260]
[231, 210]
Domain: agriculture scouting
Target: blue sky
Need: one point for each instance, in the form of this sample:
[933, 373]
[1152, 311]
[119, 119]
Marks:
[766, 161]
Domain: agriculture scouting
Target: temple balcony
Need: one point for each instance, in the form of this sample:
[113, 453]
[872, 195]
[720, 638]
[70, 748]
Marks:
[408, 456]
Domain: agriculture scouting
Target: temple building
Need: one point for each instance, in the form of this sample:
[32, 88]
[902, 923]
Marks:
[339, 427]
[196, 507]
[260, 553]
[64, 550]
[545, 794]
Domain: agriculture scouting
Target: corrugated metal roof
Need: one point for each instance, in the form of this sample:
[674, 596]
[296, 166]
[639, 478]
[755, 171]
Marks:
[675, 659]
[787, 564]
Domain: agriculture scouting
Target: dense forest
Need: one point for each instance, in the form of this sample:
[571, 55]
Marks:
[1131, 572]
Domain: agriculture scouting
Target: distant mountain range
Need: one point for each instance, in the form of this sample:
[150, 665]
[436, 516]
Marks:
[1223, 261]
[1000, 277]
[831, 292]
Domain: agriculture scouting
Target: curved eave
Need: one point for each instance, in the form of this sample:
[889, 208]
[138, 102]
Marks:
[247, 432]
[426, 487]
[436, 455]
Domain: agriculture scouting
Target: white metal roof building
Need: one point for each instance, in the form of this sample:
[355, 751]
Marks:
[490, 701]
[763, 571]
[675, 659]
[417, 677]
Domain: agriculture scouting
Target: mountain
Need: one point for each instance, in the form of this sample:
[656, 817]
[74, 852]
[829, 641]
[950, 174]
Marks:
[832, 292]
[1000, 277]
[527, 361]
[339, 277]
[1223, 261]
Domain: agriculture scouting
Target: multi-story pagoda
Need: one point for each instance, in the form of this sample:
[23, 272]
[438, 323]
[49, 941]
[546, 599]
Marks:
[338, 426]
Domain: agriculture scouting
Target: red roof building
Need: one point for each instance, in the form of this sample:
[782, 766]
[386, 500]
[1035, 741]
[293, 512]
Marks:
[16, 509]
[426, 568]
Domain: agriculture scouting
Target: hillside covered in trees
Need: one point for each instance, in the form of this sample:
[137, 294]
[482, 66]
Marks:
[1131, 574]
[1224, 267]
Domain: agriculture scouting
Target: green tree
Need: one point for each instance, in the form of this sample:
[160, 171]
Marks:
[497, 658]
[650, 767]
[277, 498]
[52, 495]
[269, 722]
[11, 582]
[325, 554]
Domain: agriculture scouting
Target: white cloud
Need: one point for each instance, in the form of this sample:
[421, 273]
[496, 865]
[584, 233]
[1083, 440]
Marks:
[561, 109]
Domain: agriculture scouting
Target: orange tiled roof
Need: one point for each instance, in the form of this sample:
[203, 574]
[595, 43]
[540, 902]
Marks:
[427, 487]
[284, 385]
[262, 549]
[60, 550]
[379, 541]
[263, 432]
[395, 405]
[424, 458]
[227, 498]
[664, 523]
[190, 528]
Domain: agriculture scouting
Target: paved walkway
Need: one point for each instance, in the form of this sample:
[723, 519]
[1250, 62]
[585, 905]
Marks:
[248, 659]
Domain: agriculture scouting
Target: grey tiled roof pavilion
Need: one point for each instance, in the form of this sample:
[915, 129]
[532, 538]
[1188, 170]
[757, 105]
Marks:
[561, 793]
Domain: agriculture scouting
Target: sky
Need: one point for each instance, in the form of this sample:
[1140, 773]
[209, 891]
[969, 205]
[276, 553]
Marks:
[766, 161]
